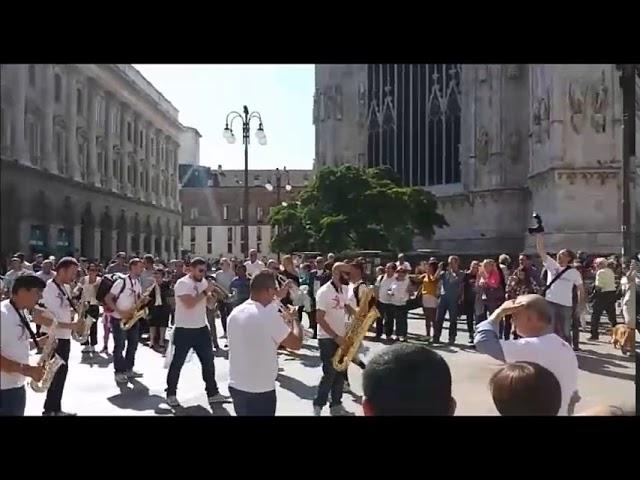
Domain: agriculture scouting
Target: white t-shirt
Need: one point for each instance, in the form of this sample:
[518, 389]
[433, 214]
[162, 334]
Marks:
[383, 288]
[561, 292]
[406, 265]
[45, 276]
[14, 344]
[89, 290]
[195, 317]
[253, 268]
[332, 302]
[129, 296]
[399, 288]
[254, 335]
[551, 352]
[56, 302]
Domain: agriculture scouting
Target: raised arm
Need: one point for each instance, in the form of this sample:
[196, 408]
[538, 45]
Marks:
[540, 246]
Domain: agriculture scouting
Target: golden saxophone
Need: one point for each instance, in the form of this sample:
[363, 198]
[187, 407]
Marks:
[81, 315]
[140, 310]
[49, 359]
[364, 317]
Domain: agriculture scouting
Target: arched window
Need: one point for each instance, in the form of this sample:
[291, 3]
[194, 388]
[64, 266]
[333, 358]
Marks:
[57, 88]
[32, 76]
[60, 152]
[79, 104]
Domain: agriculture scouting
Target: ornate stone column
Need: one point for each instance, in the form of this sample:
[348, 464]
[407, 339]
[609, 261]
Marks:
[108, 133]
[93, 176]
[50, 163]
[72, 121]
[20, 82]
[124, 149]
[97, 235]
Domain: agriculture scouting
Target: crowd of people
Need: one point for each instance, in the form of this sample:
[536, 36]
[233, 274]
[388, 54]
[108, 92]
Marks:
[525, 317]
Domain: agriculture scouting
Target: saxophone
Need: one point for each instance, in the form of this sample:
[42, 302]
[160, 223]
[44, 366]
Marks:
[364, 317]
[88, 321]
[51, 361]
[139, 311]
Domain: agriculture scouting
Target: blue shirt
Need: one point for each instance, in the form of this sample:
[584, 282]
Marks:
[240, 288]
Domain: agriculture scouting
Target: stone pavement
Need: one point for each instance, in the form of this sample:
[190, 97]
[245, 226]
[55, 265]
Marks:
[606, 377]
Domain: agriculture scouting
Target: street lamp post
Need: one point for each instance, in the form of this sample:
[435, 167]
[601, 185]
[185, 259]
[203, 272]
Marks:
[269, 186]
[245, 117]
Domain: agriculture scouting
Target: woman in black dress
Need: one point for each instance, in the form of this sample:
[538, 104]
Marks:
[159, 310]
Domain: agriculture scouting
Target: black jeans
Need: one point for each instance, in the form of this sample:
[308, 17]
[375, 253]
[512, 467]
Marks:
[94, 312]
[381, 321]
[225, 309]
[184, 339]
[332, 381]
[401, 313]
[389, 319]
[13, 402]
[603, 302]
[131, 337]
[247, 404]
[575, 330]
[468, 310]
[54, 394]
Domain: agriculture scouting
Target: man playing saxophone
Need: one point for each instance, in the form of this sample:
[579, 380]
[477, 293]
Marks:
[122, 299]
[56, 298]
[17, 339]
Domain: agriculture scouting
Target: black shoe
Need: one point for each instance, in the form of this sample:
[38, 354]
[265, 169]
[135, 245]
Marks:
[592, 338]
[452, 341]
[436, 341]
[470, 341]
[576, 349]
[65, 414]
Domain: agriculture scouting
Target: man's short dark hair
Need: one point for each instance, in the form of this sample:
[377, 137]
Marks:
[241, 266]
[525, 255]
[148, 258]
[197, 261]
[19, 255]
[263, 280]
[66, 262]
[407, 379]
[134, 261]
[28, 282]
[525, 388]
[358, 265]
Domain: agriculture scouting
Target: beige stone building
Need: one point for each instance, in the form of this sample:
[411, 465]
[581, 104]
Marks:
[212, 210]
[493, 142]
[89, 162]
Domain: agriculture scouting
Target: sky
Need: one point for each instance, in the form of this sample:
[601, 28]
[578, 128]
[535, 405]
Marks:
[282, 94]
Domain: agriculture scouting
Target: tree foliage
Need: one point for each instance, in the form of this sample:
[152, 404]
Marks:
[354, 208]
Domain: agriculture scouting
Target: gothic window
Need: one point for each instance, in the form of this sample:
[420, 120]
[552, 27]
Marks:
[60, 152]
[141, 138]
[33, 140]
[153, 146]
[100, 112]
[79, 105]
[115, 121]
[82, 159]
[102, 167]
[57, 88]
[32, 76]
[129, 131]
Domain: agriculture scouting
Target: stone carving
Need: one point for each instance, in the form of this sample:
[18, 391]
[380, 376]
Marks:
[482, 146]
[513, 71]
[337, 89]
[576, 97]
[586, 175]
[316, 106]
[362, 103]
[514, 142]
[599, 101]
[540, 118]
[58, 121]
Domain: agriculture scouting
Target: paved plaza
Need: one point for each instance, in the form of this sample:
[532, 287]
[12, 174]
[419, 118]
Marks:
[606, 377]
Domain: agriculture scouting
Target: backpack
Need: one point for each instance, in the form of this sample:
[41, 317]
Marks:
[106, 284]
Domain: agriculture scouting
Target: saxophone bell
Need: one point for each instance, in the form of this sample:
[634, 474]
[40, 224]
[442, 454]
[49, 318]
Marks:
[50, 360]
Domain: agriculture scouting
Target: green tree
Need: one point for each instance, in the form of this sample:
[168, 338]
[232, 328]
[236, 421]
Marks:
[354, 208]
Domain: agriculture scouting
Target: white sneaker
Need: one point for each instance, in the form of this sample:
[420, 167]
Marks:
[134, 374]
[346, 388]
[86, 349]
[317, 411]
[339, 411]
[121, 378]
[218, 398]
[172, 401]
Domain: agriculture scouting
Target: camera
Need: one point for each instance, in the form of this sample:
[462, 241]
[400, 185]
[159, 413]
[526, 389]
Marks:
[538, 228]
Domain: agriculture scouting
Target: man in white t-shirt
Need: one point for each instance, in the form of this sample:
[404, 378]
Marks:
[253, 264]
[16, 271]
[385, 305]
[531, 317]
[191, 332]
[56, 299]
[402, 263]
[15, 343]
[331, 316]
[256, 328]
[560, 293]
[122, 299]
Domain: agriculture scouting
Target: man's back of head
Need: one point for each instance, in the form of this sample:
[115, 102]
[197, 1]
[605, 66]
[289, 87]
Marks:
[407, 379]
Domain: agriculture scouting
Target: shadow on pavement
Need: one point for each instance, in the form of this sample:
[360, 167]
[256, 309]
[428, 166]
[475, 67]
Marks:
[610, 356]
[92, 359]
[136, 397]
[305, 359]
[603, 366]
[295, 386]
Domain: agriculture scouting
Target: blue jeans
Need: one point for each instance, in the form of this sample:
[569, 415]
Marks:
[562, 317]
[261, 404]
[132, 336]
[447, 305]
[13, 401]
[332, 381]
[184, 339]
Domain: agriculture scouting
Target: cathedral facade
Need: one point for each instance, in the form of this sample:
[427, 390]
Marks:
[493, 142]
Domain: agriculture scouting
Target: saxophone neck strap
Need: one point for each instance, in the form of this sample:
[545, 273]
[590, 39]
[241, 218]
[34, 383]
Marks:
[24, 323]
[66, 295]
